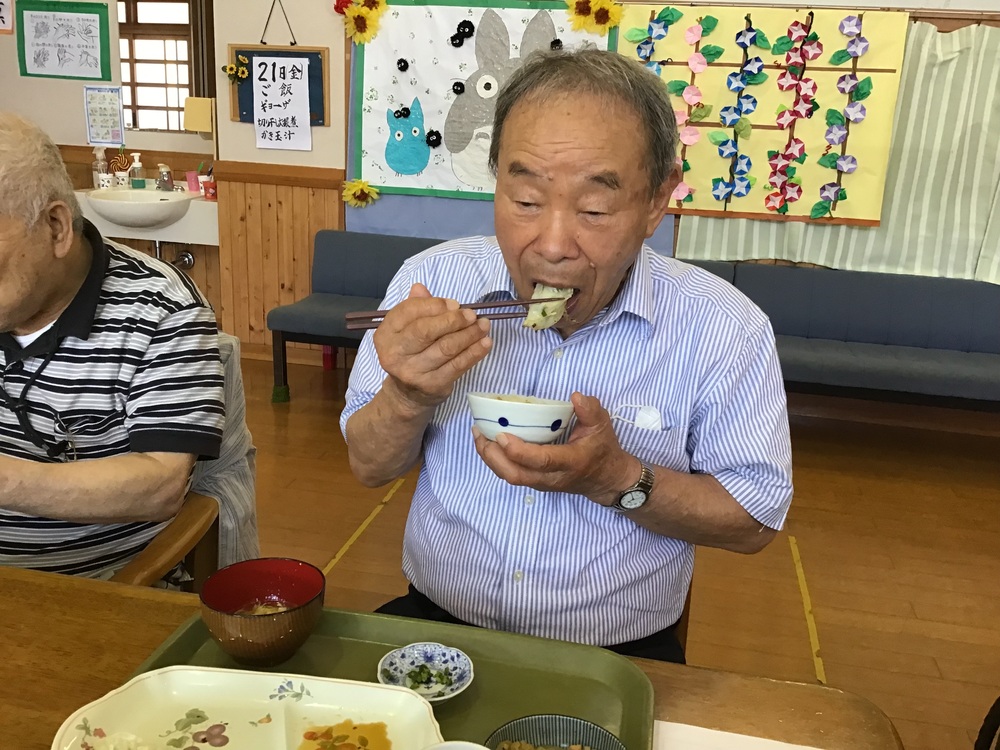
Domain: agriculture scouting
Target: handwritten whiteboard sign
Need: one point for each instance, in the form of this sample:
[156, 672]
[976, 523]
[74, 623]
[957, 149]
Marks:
[281, 102]
[6, 16]
[63, 40]
[105, 124]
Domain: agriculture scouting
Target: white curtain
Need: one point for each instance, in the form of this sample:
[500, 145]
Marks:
[941, 211]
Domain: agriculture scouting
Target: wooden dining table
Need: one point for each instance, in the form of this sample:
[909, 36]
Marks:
[67, 641]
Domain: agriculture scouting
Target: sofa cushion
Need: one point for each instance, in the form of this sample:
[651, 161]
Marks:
[320, 315]
[358, 263]
[721, 268]
[876, 308]
[936, 372]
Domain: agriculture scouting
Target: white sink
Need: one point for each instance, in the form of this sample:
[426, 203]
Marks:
[140, 208]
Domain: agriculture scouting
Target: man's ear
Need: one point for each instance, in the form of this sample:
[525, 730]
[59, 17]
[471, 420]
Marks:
[59, 219]
[660, 201]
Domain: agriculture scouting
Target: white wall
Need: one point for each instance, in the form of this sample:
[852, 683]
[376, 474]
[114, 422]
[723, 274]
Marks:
[315, 25]
[57, 105]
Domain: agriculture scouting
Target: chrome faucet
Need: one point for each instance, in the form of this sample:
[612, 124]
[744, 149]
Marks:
[165, 180]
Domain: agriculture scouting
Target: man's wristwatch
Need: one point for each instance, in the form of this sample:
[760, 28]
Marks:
[636, 495]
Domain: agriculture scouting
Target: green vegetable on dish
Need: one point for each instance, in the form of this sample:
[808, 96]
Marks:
[424, 676]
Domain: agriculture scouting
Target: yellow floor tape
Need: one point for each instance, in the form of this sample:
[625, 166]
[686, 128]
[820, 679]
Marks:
[807, 607]
[364, 525]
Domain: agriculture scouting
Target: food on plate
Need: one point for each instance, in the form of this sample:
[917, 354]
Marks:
[424, 676]
[515, 745]
[547, 314]
[347, 736]
[271, 607]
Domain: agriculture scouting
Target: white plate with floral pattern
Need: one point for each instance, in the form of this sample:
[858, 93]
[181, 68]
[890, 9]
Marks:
[194, 708]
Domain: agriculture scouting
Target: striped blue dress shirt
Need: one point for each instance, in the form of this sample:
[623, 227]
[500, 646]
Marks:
[676, 338]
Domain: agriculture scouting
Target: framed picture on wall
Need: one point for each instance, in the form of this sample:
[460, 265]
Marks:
[241, 101]
[63, 40]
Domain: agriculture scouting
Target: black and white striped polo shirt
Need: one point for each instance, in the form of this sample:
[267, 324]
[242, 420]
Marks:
[132, 365]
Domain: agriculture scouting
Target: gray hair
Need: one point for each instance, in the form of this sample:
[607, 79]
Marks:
[32, 173]
[604, 74]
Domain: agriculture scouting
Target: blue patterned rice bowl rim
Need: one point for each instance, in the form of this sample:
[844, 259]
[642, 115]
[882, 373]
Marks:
[555, 730]
[556, 426]
[394, 666]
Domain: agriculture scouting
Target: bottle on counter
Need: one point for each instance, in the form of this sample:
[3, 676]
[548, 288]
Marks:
[137, 178]
[99, 167]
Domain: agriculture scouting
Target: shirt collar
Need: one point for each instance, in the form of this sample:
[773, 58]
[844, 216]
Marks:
[635, 296]
[78, 318]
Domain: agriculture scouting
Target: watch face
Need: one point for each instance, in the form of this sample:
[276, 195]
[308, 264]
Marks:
[633, 499]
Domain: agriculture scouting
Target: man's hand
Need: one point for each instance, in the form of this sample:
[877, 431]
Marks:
[592, 463]
[427, 343]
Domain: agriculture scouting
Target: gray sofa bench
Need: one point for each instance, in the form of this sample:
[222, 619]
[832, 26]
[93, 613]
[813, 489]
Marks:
[350, 272]
[888, 333]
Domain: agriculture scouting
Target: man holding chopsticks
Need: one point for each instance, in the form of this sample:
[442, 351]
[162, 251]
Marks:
[674, 378]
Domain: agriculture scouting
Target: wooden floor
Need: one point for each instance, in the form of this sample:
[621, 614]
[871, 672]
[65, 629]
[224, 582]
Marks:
[893, 536]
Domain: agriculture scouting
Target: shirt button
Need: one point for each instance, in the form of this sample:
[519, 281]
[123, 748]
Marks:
[518, 575]
[529, 499]
[557, 354]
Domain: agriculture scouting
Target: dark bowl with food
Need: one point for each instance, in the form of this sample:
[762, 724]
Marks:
[261, 611]
[552, 732]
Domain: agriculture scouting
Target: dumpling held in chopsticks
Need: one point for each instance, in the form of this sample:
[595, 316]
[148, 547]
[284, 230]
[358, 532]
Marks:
[547, 314]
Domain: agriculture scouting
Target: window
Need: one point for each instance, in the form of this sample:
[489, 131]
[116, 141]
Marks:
[166, 49]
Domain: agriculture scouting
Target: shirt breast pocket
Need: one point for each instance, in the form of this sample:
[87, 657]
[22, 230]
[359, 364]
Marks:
[666, 447]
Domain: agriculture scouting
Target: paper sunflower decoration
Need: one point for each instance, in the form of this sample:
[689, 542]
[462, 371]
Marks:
[358, 193]
[595, 16]
[360, 23]
[237, 72]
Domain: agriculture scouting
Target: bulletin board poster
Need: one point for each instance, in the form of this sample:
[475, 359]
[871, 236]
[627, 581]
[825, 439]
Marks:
[784, 113]
[6, 16]
[63, 40]
[425, 87]
[105, 117]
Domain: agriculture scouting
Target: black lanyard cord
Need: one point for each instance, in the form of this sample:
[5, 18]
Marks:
[19, 406]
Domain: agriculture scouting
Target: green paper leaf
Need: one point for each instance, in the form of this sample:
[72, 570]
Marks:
[812, 37]
[771, 154]
[863, 90]
[715, 137]
[712, 52]
[783, 209]
[752, 180]
[743, 128]
[795, 70]
[842, 195]
[819, 210]
[676, 87]
[688, 198]
[815, 107]
[834, 117]
[685, 167]
[801, 159]
[708, 24]
[716, 181]
[795, 180]
[757, 78]
[669, 16]
[700, 113]
[828, 160]
[781, 108]
[839, 57]
[790, 172]
[636, 35]
[762, 41]
[781, 45]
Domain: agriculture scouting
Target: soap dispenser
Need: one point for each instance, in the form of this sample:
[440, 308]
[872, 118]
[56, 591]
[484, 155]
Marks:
[136, 175]
[99, 167]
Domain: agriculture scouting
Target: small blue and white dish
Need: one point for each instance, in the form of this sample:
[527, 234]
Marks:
[432, 670]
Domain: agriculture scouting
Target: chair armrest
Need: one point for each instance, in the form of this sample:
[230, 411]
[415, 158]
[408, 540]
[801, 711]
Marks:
[196, 524]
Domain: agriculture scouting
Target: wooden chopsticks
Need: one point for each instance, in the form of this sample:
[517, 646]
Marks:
[364, 320]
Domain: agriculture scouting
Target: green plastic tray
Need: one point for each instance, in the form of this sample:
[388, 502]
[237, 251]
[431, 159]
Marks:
[515, 675]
